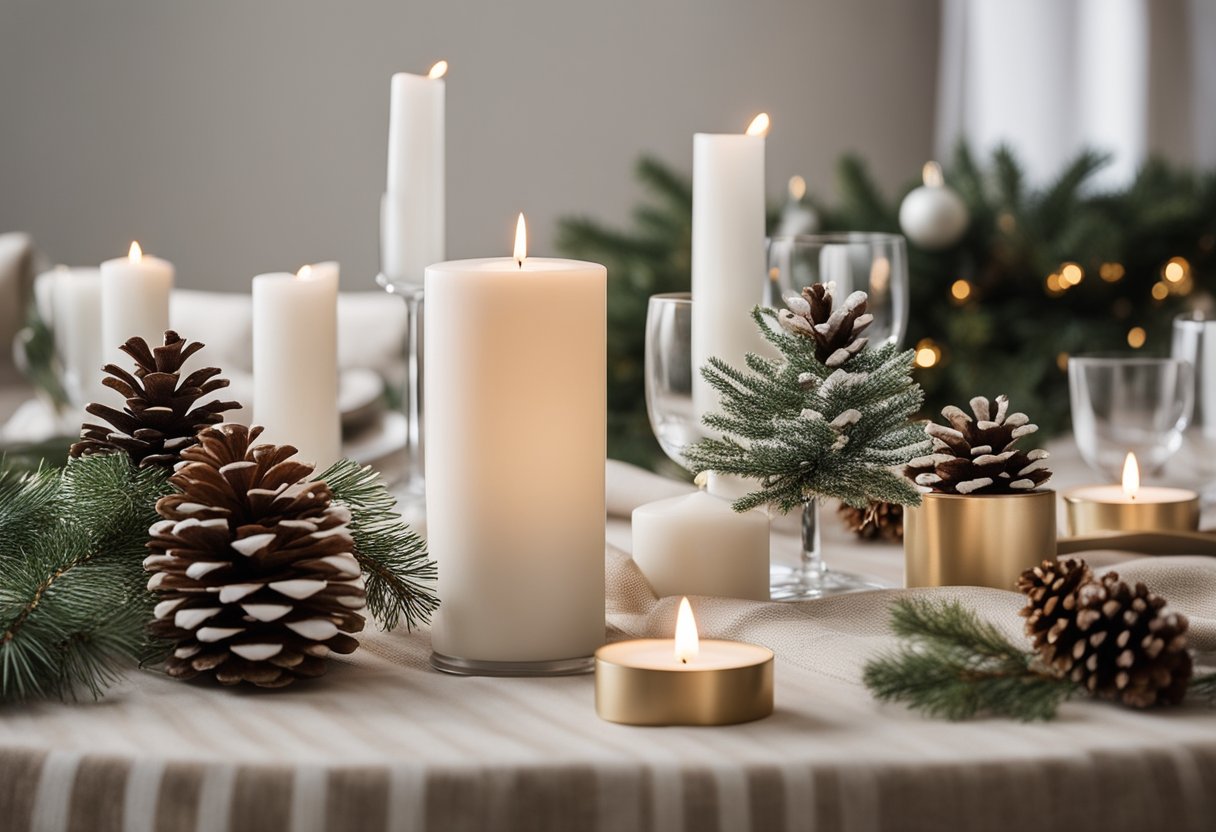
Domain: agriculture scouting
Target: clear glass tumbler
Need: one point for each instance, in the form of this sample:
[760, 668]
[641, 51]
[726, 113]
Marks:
[1124, 404]
[1194, 341]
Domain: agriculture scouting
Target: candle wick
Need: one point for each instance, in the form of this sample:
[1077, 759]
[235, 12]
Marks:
[683, 660]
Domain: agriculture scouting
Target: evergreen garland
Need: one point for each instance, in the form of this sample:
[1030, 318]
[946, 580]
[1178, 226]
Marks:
[1144, 253]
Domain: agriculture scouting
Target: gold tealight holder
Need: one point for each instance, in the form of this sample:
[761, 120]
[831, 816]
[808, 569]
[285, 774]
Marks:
[976, 539]
[1129, 507]
[685, 681]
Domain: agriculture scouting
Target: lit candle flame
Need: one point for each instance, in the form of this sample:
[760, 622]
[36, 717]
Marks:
[439, 70]
[797, 188]
[931, 173]
[1131, 477]
[135, 253]
[759, 125]
[687, 642]
[304, 273]
[521, 241]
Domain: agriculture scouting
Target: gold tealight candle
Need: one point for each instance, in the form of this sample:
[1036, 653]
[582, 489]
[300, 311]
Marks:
[683, 681]
[1130, 507]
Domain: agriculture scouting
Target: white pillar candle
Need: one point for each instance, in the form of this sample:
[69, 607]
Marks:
[516, 421]
[412, 210]
[134, 301]
[696, 544]
[295, 361]
[729, 264]
[75, 299]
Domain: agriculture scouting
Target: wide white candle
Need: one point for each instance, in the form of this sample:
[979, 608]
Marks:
[295, 361]
[516, 420]
[75, 298]
[696, 544]
[412, 210]
[729, 263]
[134, 301]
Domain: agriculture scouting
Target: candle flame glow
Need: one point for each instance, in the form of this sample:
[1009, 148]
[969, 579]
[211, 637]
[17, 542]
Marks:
[439, 70]
[759, 125]
[304, 273]
[521, 241]
[135, 253]
[687, 642]
[797, 188]
[931, 173]
[1131, 477]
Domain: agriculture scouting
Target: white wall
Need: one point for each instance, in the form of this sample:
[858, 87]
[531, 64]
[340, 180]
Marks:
[239, 136]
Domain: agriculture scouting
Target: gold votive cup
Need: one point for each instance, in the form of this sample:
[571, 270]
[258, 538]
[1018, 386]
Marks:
[978, 540]
[1178, 512]
[634, 695]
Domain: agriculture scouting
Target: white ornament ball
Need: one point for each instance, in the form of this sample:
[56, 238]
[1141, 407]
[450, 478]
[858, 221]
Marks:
[934, 216]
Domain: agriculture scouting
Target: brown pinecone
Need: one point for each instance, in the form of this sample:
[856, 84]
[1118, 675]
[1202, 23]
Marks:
[1127, 646]
[877, 520]
[1051, 606]
[836, 333]
[976, 456]
[253, 564]
[160, 419]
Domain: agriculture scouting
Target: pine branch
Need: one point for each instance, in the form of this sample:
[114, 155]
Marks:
[958, 667]
[399, 576]
[73, 603]
[1204, 687]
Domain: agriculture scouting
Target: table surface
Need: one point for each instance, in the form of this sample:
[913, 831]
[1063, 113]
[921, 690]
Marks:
[385, 742]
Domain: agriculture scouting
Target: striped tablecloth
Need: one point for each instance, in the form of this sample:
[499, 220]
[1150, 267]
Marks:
[383, 742]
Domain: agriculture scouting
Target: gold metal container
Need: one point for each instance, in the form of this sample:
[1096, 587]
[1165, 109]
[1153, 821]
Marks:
[978, 540]
[634, 694]
[1171, 509]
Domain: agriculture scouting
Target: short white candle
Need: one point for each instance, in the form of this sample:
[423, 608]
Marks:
[696, 544]
[412, 210]
[76, 303]
[729, 263]
[515, 400]
[134, 302]
[295, 361]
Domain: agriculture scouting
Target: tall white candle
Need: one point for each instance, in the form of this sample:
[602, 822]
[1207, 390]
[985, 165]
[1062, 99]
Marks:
[516, 420]
[76, 304]
[134, 301]
[295, 361]
[412, 210]
[729, 263]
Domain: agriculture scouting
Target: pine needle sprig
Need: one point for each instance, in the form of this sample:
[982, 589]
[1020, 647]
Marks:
[1204, 687]
[957, 666]
[73, 602]
[399, 576]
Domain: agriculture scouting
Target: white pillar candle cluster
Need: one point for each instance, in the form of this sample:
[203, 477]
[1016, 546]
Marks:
[295, 361]
[134, 301]
[412, 209]
[729, 263]
[516, 423]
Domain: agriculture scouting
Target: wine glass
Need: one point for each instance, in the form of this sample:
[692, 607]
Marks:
[669, 374]
[876, 264]
[1194, 341]
[1129, 403]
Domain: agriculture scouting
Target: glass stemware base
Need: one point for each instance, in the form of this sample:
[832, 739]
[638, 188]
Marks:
[811, 578]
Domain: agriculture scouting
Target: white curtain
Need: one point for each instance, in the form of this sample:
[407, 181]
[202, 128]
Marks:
[1050, 77]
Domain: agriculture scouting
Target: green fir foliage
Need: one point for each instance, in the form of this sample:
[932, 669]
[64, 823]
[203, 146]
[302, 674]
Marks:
[73, 603]
[1010, 333]
[777, 424]
[956, 666]
[399, 577]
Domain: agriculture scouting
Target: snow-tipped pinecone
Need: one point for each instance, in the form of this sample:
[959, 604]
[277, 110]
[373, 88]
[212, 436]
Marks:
[875, 521]
[836, 333]
[160, 419]
[253, 564]
[976, 456]
[1127, 646]
[1051, 607]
